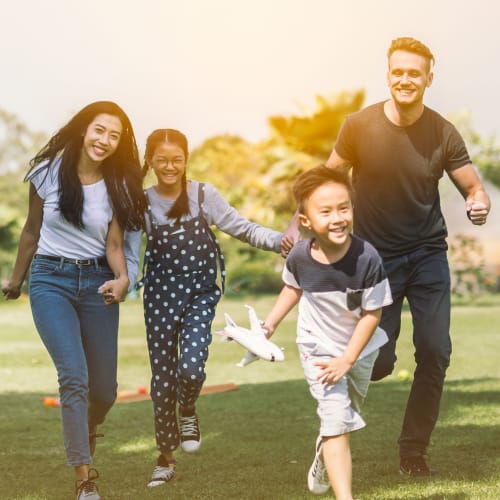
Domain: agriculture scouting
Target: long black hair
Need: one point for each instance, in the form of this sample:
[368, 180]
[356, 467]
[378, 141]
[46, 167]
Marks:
[121, 170]
[171, 136]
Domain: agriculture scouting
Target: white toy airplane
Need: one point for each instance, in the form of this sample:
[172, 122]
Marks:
[255, 339]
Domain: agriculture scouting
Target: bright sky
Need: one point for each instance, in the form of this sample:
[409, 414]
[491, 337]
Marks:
[216, 66]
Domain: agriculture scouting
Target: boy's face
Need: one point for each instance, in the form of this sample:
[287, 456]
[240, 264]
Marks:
[328, 214]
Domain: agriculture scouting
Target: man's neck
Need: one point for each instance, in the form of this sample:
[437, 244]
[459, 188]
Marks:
[403, 116]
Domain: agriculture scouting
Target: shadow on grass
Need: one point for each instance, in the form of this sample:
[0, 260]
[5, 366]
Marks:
[258, 443]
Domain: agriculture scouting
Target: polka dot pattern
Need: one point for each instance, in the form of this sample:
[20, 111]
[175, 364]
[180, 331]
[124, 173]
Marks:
[180, 298]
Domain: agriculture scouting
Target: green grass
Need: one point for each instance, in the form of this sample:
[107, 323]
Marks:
[258, 440]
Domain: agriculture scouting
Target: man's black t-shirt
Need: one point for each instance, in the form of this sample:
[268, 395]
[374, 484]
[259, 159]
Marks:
[396, 171]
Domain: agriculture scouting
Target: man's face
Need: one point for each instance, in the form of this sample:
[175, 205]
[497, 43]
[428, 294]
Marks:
[408, 76]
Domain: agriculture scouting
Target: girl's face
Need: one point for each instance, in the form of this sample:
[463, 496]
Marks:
[101, 138]
[169, 164]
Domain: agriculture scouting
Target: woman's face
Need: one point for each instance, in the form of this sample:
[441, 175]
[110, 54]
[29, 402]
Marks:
[169, 164]
[102, 137]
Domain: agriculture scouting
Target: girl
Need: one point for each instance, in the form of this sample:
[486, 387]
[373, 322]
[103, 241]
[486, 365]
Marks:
[85, 189]
[180, 289]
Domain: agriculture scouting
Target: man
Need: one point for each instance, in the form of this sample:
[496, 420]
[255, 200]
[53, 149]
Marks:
[398, 151]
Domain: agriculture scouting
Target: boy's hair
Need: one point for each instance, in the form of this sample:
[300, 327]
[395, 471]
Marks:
[311, 179]
[412, 45]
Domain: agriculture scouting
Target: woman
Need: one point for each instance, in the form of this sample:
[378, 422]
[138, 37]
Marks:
[85, 190]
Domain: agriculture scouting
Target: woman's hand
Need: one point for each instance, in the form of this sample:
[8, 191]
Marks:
[114, 291]
[10, 291]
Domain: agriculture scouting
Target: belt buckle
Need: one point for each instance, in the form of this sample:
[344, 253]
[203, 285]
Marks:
[83, 262]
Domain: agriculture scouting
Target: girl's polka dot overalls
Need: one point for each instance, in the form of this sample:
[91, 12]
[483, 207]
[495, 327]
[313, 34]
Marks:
[180, 297]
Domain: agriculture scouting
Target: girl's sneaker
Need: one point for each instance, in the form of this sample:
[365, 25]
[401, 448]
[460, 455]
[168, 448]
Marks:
[162, 473]
[189, 428]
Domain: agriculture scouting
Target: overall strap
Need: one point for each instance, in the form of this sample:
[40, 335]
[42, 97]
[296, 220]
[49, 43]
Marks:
[201, 198]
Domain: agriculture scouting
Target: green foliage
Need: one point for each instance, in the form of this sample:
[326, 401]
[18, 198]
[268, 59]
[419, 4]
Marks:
[257, 178]
[17, 146]
[258, 441]
[467, 265]
[485, 152]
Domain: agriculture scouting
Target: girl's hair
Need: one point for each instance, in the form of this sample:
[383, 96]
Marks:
[311, 179]
[121, 170]
[170, 136]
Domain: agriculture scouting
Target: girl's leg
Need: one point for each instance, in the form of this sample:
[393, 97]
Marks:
[194, 340]
[162, 324]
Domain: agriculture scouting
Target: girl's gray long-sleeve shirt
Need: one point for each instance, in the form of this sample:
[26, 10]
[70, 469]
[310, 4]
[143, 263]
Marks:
[216, 210]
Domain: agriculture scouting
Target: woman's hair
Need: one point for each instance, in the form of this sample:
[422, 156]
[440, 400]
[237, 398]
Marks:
[310, 180]
[121, 170]
[170, 136]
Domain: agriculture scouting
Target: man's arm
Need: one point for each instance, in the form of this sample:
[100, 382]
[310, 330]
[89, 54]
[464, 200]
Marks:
[335, 161]
[477, 201]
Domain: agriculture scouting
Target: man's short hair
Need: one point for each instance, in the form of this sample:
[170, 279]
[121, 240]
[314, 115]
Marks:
[409, 44]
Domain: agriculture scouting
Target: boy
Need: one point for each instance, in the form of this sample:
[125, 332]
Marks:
[340, 285]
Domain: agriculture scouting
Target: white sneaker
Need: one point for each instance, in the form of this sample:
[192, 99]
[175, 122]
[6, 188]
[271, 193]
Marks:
[190, 433]
[317, 477]
[87, 490]
[162, 473]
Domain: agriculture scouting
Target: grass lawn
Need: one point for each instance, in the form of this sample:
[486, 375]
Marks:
[258, 441]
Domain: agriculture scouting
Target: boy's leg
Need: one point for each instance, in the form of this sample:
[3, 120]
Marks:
[337, 459]
[337, 417]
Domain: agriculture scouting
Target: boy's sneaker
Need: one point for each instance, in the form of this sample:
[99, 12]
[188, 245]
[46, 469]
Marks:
[415, 466]
[162, 473]
[87, 490]
[317, 478]
[190, 433]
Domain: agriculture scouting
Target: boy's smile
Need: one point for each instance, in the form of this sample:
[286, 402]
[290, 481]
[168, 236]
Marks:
[328, 214]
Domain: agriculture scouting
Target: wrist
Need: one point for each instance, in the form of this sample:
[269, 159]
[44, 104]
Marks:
[15, 285]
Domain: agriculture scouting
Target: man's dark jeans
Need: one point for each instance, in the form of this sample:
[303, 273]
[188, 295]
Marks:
[422, 277]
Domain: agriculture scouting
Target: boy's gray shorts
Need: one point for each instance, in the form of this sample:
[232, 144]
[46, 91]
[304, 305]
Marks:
[339, 404]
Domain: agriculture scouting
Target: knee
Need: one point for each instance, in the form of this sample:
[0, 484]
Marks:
[434, 355]
[384, 366]
[103, 400]
[191, 373]
[73, 388]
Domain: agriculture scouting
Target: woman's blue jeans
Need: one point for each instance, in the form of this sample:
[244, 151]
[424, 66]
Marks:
[80, 333]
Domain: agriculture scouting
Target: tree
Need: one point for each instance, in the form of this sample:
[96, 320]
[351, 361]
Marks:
[257, 178]
[485, 152]
[17, 145]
